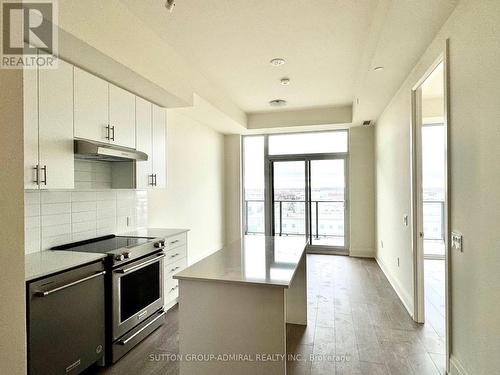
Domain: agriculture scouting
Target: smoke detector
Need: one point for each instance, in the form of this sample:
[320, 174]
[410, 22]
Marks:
[285, 81]
[170, 5]
[277, 61]
[277, 103]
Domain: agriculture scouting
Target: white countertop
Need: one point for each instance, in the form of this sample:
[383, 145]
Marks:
[251, 260]
[48, 262]
[155, 232]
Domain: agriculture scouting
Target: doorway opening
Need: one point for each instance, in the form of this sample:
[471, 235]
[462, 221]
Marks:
[430, 206]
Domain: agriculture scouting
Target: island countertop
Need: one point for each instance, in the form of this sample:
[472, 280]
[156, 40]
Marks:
[262, 260]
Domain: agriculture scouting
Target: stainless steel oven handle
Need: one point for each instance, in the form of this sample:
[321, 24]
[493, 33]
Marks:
[133, 268]
[41, 293]
[126, 341]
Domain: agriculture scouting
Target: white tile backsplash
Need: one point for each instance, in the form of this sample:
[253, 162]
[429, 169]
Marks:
[57, 217]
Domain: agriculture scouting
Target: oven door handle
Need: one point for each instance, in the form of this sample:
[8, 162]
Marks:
[133, 268]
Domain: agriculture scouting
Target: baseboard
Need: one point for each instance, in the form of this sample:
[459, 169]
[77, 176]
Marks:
[456, 367]
[405, 298]
[362, 253]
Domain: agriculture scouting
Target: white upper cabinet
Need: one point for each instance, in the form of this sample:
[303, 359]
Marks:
[159, 156]
[91, 107]
[55, 124]
[144, 131]
[30, 92]
[122, 117]
[48, 128]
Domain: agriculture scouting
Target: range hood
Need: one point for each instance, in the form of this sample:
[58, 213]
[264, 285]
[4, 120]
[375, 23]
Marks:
[91, 150]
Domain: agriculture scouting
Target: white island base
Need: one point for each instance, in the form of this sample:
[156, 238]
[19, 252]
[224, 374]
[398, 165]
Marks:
[233, 324]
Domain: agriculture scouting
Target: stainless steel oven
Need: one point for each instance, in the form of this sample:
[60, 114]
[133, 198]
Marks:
[137, 292]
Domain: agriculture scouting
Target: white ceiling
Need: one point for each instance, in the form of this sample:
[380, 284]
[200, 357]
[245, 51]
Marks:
[331, 47]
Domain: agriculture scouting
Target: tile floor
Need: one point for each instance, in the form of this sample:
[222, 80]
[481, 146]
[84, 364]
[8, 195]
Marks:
[356, 325]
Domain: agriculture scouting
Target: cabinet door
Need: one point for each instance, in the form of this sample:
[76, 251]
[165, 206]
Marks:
[159, 146]
[30, 93]
[144, 132]
[91, 106]
[55, 126]
[122, 116]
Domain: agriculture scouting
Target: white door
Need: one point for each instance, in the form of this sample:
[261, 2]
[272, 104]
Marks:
[122, 116]
[159, 146]
[55, 127]
[30, 87]
[91, 106]
[144, 134]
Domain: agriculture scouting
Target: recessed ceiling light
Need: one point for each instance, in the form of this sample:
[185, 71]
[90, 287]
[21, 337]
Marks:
[277, 61]
[277, 103]
[285, 81]
[378, 68]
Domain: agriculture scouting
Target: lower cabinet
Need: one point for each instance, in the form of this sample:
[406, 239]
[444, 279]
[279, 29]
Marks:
[175, 261]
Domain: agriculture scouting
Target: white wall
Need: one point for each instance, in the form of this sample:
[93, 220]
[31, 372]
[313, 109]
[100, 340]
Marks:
[12, 293]
[232, 187]
[474, 33]
[194, 195]
[362, 191]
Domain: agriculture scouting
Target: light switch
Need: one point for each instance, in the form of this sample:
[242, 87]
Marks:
[405, 220]
[456, 241]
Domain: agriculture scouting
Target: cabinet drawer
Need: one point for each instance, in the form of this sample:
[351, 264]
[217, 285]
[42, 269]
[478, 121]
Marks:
[175, 241]
[171, 290]
[176, 254]
[173, 268]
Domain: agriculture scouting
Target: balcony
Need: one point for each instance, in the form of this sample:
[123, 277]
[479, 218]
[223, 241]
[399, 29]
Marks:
[328, 222]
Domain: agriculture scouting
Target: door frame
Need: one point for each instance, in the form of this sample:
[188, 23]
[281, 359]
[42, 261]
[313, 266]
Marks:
[307, 158]
[417, 201]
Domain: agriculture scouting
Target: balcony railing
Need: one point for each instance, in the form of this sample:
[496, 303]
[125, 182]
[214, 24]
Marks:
[327, 218]
[326, 222]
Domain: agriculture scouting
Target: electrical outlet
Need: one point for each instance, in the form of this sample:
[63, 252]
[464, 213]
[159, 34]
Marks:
[457, 241]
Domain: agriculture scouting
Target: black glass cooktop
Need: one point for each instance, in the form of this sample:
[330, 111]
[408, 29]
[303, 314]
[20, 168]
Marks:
[106, 244]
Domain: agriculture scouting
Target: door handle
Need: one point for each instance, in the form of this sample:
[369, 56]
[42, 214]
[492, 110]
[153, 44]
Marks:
[130, 269]
[44, 169]
[37, 174]
[41, 293]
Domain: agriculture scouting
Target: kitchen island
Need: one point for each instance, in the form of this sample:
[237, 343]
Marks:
[234, 306]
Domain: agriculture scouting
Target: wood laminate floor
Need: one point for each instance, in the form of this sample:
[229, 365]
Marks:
[356, 325]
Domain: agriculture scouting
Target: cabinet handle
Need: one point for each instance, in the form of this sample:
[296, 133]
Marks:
[174, 269]
[175, 255]
[172, 242]
[174, 288]
[152, 183]
[37, 174]
[44, 169]
[113, 132]
[108, 137]
[41, 293]
[155, 184]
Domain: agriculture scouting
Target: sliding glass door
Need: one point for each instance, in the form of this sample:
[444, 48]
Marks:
[328, 204]
[309, 199]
